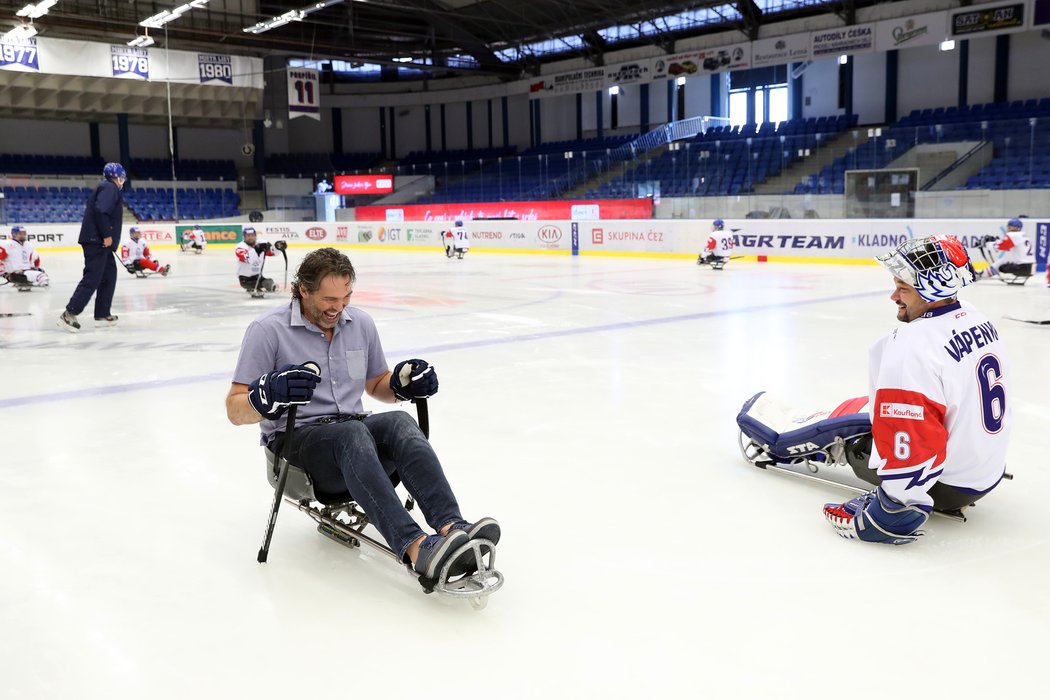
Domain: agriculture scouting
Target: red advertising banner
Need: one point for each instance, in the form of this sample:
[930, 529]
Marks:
[364, 184]
[564, 210]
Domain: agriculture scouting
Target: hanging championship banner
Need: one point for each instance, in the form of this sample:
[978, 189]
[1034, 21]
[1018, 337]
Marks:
[19, 55]
[304, 93]
[129, 62]
[215, 67]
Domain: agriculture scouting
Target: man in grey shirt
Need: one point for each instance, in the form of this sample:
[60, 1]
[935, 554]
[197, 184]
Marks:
[342, 451]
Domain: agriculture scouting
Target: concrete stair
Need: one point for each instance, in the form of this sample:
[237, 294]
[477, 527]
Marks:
[833, 148]
[593, 183]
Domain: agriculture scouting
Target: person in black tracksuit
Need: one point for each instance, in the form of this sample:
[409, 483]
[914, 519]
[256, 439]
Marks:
[99, 237]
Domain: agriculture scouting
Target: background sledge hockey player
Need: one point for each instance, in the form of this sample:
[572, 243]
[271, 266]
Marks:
[135, 254]
[341, 449]
[1011, 253]
[940, 400]
[250, 253]
[20, 263]
[460, 243]
[719, 245]
[194, 240]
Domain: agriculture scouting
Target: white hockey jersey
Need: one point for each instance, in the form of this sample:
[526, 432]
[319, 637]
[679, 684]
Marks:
[720, 243]
[1014, 247]
[460, 238]
[130, 251]
[940, 404]
[249, 262]
[16, 257]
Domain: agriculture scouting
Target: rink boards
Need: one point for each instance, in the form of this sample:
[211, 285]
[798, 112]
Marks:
[810, 240]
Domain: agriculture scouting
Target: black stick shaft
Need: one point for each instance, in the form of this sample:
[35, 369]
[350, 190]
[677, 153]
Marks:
[258, 279]
[278, 491]
[423, 416]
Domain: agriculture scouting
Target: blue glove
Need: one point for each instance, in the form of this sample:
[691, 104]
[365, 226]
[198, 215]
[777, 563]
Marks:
[413, 379]
[875, 517]
[290, 385]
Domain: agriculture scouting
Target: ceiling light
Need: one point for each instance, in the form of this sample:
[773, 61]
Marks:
[21, 33]
[290, 16]
[40, 9]
[142, 41]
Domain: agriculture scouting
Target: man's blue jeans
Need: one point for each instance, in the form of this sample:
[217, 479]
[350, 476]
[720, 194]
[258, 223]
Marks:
[359, 455]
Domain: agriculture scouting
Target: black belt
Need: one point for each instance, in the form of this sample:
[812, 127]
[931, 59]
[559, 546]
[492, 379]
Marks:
[341, 418]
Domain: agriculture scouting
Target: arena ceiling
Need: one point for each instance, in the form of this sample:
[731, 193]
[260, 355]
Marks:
[496, 36]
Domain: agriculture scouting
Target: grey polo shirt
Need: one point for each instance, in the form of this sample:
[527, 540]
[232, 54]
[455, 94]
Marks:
[283, 336]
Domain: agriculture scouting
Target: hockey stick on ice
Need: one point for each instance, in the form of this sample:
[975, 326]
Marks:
[1025, 320]
[282, 477]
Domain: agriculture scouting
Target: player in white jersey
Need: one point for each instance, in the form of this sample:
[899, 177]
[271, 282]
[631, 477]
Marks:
[20, 263]
[136, 256]
[719, 245]
[194, 240]
[1011, 253]
[460, 243]
[940, 400]
[250, 253]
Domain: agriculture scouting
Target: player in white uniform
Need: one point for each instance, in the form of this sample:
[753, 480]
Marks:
[460, 241]
[20, 263]
[719, 246]
[250, 253]
[194, 240]
[135, 254]
[940, 400]
[1013, 253]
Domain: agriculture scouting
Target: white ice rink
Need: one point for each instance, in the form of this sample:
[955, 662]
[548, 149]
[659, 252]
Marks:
[589, 405]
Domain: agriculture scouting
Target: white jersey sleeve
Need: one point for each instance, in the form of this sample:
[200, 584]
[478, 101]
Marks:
[940, 404]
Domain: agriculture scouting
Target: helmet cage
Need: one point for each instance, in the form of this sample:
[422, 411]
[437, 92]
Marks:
[936, 266]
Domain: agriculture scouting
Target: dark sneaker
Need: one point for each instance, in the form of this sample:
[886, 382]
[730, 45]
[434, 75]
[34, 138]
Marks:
[484, 529]
[106, 322]
[69, 322]
[435, 551]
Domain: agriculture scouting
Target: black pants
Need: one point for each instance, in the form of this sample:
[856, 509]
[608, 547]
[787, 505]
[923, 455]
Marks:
[944, 497]
[99, 278]
[1019, 269]
[264, 285]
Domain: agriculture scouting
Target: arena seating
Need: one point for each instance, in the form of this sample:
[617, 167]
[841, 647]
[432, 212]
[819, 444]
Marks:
[319, 164]
[159, 204]
[51, 204]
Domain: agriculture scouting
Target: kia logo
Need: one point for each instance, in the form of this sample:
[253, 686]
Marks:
[316, 233]
[549, 234]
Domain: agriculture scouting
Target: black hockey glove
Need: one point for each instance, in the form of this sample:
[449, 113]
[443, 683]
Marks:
[286, 386]
[413, 379]
[261, 248]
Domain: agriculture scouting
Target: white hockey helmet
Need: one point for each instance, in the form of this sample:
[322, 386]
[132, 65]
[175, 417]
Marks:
[937, 266]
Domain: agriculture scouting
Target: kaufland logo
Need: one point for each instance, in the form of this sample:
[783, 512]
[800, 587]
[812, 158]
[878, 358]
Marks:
[316, 233]
[901, 410]
[549, 234]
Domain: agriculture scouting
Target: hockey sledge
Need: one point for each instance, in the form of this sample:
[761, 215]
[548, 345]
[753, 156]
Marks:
[342, 520]
[19, 282]
[1010, 278]
[821, 446]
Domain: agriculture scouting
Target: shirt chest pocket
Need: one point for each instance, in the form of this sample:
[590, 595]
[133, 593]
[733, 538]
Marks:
[356, 365]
